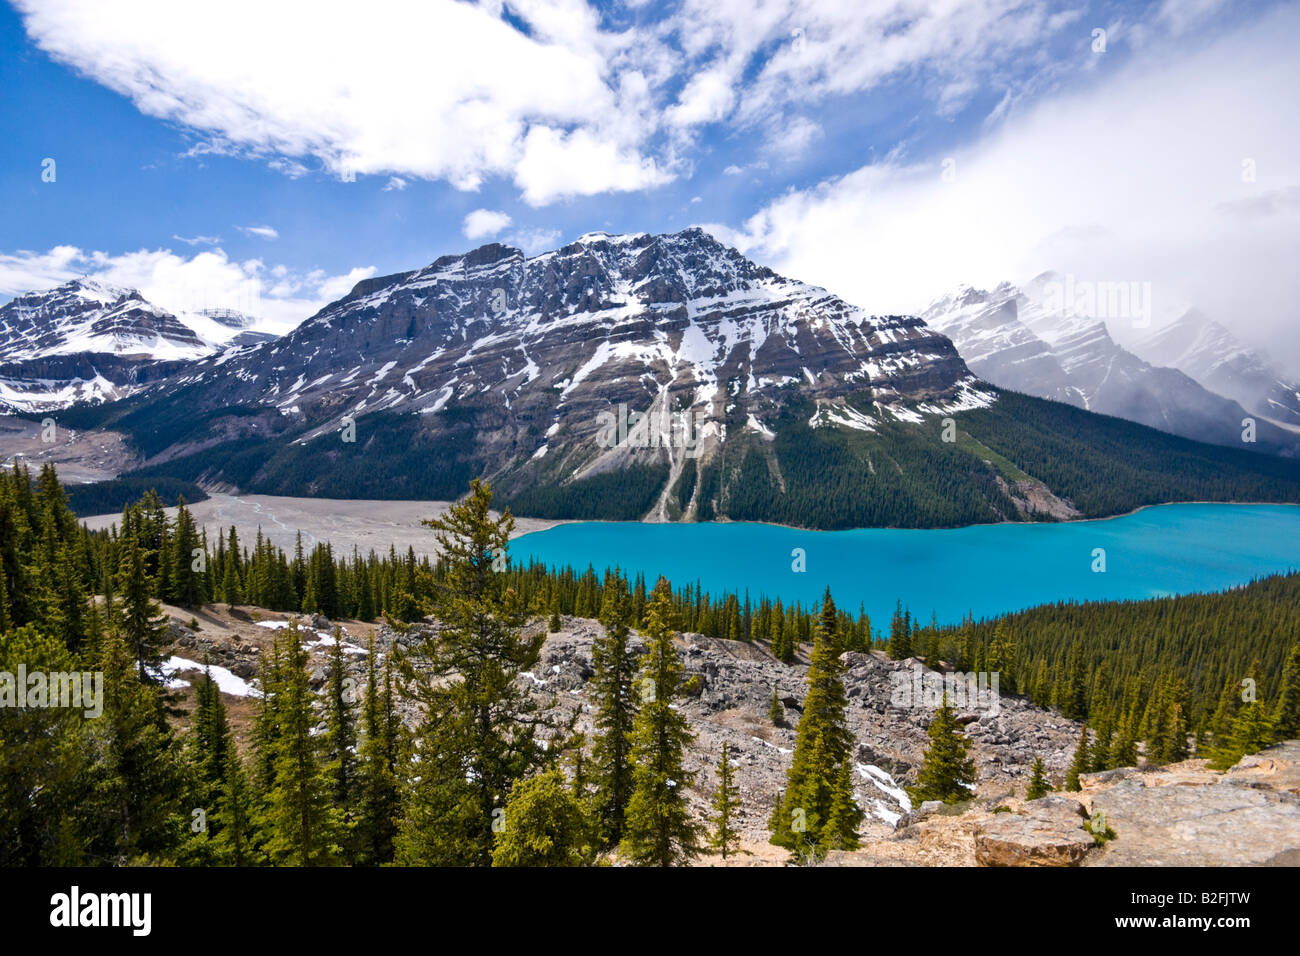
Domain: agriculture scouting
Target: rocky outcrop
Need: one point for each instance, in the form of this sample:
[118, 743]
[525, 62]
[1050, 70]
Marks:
[1187, 815]
[1047, 832]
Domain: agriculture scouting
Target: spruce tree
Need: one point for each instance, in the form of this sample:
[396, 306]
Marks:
[301, 823]
[822, 746]
[658, 828]
[1038, 785]
[235, 836]
[946, 773]
[1080, 763]
[139, 768]
[1286, 716]
[726, 798]
[140, 618]
[775, 711]
[612, 689]
[1252, 731]
[380, 796]
[481, 730]
[212, 740]
[340, 735]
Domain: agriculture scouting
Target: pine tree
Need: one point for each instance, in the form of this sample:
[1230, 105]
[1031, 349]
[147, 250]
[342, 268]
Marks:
[380, 797]
[544, 824]
[481, 730]
[724, 839]
[822, 745]
[775, 711]
[299, 819]
[658, 828]
[1038, 785]
[1080, 763]
[235, 837]
[946, 773]
[614, 699]
[1252, 731]
[1286, 717]
[139, 616]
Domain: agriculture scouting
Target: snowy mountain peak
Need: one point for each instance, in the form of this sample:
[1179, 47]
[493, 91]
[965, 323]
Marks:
[1031, 340]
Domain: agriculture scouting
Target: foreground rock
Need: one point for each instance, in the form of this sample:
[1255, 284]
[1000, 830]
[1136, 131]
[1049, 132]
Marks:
[1190, 816]
[1048, 832]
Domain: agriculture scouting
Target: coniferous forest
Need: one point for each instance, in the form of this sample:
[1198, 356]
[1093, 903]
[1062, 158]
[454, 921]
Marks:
[336, 775]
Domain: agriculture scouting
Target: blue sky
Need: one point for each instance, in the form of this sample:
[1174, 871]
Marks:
[204, 149]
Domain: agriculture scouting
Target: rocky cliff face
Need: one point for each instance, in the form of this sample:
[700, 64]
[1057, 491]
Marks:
[87, 341]
[1202, 348]
[1183, 814]
[678, 328]
[1021, 339]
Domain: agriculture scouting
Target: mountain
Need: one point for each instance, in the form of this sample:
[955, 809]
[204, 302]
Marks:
[87, 341]
[1209, 353]
[664, 377]
[1018, 339]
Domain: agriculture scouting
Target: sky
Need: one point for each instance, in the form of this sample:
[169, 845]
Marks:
[266, 157]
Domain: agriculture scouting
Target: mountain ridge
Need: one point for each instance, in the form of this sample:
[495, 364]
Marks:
[796, 407]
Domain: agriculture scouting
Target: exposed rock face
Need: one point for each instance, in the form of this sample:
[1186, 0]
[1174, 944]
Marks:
[1209, 353]
[735, 685]
[1189, 816]
[535, 349]
[1048, 832]
[1019, 338]
[1179, 815]
[87, 341]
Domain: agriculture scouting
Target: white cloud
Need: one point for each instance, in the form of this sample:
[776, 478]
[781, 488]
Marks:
[1137, 178]
[482, 223]
[198, 240]
[533, 241]
[436, 90]
[395, 182]
[277, 295]
[577, 103]
[261, 232]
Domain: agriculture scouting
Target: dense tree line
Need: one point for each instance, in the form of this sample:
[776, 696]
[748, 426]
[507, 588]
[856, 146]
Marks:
[900, 474]
[484, 775]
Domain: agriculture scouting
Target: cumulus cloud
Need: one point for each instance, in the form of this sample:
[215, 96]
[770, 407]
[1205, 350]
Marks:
[279, 296]
[482, 223]
[559, 97]
[437, 90]
[1177, 170]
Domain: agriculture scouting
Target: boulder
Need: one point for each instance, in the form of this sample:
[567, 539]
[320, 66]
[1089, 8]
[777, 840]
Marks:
[1049, 832]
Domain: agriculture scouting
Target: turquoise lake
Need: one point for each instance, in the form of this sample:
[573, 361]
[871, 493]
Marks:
[985, 569]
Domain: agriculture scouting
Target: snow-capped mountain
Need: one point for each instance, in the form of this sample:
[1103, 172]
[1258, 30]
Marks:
[1196, 344]
[1021, 339]
[90, 341]
[669, 325]
[660, 377]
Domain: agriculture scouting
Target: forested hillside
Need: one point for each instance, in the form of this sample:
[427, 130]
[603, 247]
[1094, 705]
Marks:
[335, 776]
